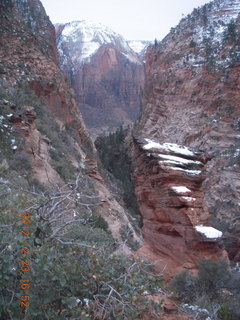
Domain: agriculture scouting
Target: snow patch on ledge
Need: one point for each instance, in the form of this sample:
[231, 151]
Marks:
[178, 159]
[189, 198]
[209, 232]
[167, 147]
[180, 189]
[191, 172]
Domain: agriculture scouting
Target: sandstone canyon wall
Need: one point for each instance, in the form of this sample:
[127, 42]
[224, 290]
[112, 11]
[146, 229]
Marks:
[48, 131]
[191, 99]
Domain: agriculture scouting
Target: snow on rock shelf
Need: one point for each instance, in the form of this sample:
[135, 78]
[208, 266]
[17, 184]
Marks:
[180, 189]
[188, 198]
[190, 172]
[171, 201]
[209, 232]
[175, 157]
[178, 159]
[167, 147]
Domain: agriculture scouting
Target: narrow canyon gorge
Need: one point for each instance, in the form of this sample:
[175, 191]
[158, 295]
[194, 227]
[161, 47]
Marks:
[137, 141]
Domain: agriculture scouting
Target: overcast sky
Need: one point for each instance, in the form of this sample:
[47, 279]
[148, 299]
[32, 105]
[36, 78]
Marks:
[134, 19]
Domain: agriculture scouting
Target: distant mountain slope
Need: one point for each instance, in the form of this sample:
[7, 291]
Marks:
[106, 74]
[139, 46]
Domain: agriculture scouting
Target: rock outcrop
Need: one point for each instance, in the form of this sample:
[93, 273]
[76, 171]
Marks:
[106, 74]
[192, 99]
[168, 180]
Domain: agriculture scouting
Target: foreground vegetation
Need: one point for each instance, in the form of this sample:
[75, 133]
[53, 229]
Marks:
[60, 265]
[57, 255]
[214, 292]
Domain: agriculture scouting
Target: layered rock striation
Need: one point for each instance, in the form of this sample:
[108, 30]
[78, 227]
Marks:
[192, 99]
[168, 180]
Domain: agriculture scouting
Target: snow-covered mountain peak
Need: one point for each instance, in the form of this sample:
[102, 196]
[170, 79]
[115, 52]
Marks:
[138, 46]
[89, 31]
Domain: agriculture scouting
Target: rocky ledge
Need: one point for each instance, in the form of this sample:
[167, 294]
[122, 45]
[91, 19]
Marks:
[168, 179]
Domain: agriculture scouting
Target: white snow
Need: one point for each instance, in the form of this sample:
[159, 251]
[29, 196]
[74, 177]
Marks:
[166, 162]
[189, 199]
[9, 115]
[219, 16]
[137, 45]
[180, 189]
[89, 49]
[196, 308]
[1, 119]
[168, 147]
[152, 145]
[86, 37]
[14, 147]
[131, 57]
[192, 172]
[146, 293]
[178, 159]
[86, 301]
[209, 232]
[4, 181]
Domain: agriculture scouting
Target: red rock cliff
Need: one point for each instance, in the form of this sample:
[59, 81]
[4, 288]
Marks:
[29, 55]
[168, 180]
[192, 99]
[104, 71]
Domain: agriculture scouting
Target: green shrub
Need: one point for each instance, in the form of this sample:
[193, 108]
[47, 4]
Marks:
[229, 311]
[100, 223]
[74, 273]
[36, 185]
[65, 169]
[230, 35]
[212, 276]
[127, 234]
[113, 153]
[224, 313]
[21, 162]
[192, 44]
[184, 285]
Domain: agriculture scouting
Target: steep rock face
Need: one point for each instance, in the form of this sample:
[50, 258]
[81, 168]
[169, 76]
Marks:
[28, 58]
[106, 74]
[36, 145]
[192, 99]
[168, 180]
